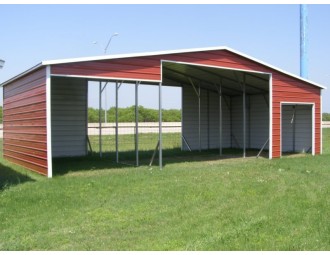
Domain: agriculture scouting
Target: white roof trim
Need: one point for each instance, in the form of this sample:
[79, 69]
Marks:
[276, 68]
[21, 74]
[132, 55]
[155, 53]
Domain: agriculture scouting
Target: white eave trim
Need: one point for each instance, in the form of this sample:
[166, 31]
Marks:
[276, 68]
[132, 55]
[21, 74]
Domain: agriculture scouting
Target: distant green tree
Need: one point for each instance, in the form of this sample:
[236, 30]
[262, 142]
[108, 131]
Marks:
[93, 115]
[171, 115]
[326, 116]
[128, 115]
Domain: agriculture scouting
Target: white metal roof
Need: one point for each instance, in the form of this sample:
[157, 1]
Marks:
[155, 53]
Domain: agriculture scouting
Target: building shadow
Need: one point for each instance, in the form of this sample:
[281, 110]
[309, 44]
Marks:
[93, 161]
[9, 177]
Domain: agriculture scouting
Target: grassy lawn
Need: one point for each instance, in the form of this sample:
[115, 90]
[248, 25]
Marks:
[209, 204]
[147, 142]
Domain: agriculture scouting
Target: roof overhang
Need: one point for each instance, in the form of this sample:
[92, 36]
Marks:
[21, 74]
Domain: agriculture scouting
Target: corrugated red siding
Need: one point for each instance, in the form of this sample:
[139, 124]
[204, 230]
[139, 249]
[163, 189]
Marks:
[288, 89]
[24, 120]
[285, 88]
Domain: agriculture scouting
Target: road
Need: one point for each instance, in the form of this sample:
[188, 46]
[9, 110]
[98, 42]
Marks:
[144, 127]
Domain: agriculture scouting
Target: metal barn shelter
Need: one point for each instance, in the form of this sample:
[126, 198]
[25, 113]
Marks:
[229, 100]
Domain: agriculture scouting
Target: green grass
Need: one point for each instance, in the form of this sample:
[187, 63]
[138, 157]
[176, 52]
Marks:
[126, 142]
[1, 144]
[209, 204]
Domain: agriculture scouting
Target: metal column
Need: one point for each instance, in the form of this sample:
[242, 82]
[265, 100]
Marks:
[117, 153]
[100, 125]
[220, 120]
[160, 128]
[231, 121]
[198, 93]
[303, 41]
[244, 118]
[137, 123]
[199, 119]
[293, 122]
[208, 119]
[105, 102]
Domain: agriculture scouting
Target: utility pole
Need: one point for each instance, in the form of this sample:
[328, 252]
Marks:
[303, 41]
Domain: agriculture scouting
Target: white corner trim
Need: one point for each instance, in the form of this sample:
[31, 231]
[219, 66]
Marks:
[321, 131]
[49, 123]
[313, 130]
[270, 151]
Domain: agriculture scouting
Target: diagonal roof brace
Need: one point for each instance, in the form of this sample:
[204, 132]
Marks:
[197, 93]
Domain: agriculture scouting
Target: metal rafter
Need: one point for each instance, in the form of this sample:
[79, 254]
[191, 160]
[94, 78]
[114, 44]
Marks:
[226, 78]
[199, 79]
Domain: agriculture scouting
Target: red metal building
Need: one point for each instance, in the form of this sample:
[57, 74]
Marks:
[284, 110]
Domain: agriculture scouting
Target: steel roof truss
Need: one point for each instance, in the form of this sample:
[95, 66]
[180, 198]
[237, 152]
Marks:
[196, 78]
[230, 79]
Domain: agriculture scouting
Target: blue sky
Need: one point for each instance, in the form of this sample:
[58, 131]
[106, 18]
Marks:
[32, 33]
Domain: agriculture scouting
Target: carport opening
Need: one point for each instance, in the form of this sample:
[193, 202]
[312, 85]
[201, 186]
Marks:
[297, 128]
[125, 126]
[224, 113]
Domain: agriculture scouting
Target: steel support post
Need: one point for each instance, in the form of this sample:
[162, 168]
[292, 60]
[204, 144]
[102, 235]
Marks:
[249, 120]
[294, 129]
[100, 124]
[105, 100]
[303, 41]
[244, 118]
[208, 119]
[137, 123]
[220, 120]
[199, 119]
[105, 103]
[231, 121]
[117, 152]
[198, 93]
[160, 128]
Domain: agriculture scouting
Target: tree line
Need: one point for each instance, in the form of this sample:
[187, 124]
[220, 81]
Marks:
[145, 115]
[128, 115]
[326, 116]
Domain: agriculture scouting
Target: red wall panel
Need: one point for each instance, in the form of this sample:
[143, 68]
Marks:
[24, 121]
[289, 89]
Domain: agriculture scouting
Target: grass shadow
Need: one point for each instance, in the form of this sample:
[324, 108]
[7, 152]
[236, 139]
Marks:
[9, 177]
[93, 161]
